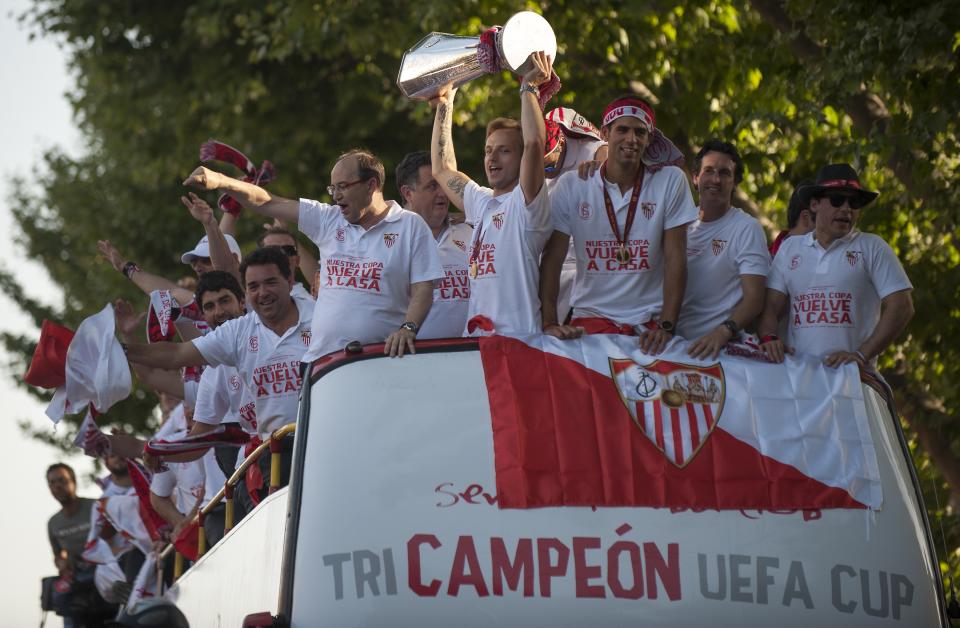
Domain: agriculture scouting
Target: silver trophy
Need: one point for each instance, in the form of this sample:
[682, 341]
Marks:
[441, 59]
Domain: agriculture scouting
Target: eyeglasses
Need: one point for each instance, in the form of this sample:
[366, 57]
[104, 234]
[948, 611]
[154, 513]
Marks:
[837, 200]
[342, 187]
[289, 249]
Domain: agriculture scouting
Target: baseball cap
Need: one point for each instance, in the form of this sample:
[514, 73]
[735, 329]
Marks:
[203, 249]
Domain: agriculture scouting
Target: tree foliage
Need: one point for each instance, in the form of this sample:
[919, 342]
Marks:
[795, 83]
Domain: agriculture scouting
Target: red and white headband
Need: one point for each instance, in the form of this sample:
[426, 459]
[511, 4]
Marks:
[631, 107]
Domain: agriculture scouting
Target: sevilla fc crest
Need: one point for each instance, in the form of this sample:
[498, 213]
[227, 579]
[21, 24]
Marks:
[305, 337]
[675, 405]
[718, 246]
[648, 208]
[853, 257]
[389, 239]
[461, 244]
[498, 220]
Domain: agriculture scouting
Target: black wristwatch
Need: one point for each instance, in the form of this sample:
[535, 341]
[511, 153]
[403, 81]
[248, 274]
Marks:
[411, 326]
[668, 327]
[732, 326]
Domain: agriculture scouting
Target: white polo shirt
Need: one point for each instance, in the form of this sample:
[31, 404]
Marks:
[365, 275]
[834, 294]
[718, 253]
[218, 399]
[198, 479]
[268, 364]
[630, 293]
[510, 235]
[451, 295]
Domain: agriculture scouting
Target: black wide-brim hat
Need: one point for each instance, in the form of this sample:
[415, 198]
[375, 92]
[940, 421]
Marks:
[836, 178]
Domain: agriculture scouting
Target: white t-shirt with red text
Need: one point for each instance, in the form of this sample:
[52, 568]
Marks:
[718, 253]
[451, 295]
[365, 275]
[509, 237]
[630, 293]
[268, 364]
[834, 294]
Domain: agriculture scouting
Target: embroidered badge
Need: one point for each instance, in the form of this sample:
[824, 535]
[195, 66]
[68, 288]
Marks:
[305, 337]
[461, 244]
[390, 238]
[254, 344]
[340, 234]
[795, 262]
[648, 208]
[585, 211]
[498, 220]
[718, 246]
[853, 257]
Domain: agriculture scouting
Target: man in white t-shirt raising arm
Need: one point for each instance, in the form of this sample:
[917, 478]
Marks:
[423, 195]
[727, 257]
[378, 260]
[843, 292]
[511, 217]
[628, 221]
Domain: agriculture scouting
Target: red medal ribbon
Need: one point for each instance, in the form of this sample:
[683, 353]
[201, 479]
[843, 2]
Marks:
[477, 243]
[631, 209]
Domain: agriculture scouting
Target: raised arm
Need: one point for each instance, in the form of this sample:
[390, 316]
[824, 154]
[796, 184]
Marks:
[221, 256]
[147, 282]
[251, 196]
[165, 355]
[531, 122]
[442, 157]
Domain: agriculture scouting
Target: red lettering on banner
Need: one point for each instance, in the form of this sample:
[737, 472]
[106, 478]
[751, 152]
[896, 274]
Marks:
[502, 568]
[470, 495]
[414, 575]
[668, 571]
[546, 567]
[466, 569]
[614, 553]
[584, 572]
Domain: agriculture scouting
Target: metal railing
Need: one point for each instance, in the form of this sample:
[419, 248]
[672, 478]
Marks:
[226, 495]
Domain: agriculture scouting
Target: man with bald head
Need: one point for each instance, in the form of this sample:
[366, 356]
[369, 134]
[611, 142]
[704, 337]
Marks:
[379, 260]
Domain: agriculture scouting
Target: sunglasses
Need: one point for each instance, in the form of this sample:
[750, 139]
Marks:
[289, 249]
[837, 200]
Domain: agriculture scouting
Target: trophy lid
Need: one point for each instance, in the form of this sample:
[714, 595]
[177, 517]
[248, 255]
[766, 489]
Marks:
[523, 34]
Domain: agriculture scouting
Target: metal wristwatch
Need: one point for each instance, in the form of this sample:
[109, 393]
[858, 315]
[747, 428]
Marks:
[533, 89]
[410, 325]
[732, 326]
[668, 327]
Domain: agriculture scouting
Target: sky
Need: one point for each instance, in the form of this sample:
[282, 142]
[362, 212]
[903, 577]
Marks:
[34, 116]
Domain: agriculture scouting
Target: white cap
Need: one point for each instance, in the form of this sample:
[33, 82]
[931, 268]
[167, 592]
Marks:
[203, 249]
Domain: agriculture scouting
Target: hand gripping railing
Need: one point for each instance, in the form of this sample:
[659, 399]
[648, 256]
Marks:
[226, 493]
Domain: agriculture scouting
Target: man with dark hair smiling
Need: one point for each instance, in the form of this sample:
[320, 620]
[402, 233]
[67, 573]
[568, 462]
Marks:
[727, 258]
[423, 195]
[378, 259]
[628, 221]
[844, 292]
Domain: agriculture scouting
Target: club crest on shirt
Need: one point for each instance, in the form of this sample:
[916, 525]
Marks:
[340, 234]
[853, 257]
[648, 208]
[390, 238]
[718, 246]
[254, 344]
[498, 220]
[305, 337]
[234, 383]
[795, 262]
[585, 211]
[461, 244]
[675, 405]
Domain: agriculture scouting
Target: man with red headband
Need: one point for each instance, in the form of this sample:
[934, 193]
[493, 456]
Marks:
[843, 292]
[628, 222]
[511, 217]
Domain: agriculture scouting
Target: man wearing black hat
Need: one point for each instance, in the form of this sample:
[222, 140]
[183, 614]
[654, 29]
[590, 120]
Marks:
[844, 292]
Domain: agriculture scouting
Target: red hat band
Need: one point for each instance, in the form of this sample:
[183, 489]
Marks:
[840, 183]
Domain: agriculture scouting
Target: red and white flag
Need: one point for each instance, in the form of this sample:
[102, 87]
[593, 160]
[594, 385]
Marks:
[596, 422]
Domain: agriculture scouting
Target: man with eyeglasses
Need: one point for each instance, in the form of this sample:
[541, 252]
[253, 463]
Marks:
[727, 257]
[379, 260]
[843, 292]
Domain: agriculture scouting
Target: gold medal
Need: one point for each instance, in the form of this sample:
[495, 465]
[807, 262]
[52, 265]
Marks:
[623, 255]
[474, 269]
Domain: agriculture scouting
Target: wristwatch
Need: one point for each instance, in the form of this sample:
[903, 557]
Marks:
[533, 89]
[732, 326]
[410, 325]
[668, 327]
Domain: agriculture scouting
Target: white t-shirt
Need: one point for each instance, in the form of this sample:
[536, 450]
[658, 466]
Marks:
[451, 295]
[218, 400]
[510, 235]
[718, 253]
[365, 275]
[197, 479]
[834, 294]
[268, 364]
[630, 293]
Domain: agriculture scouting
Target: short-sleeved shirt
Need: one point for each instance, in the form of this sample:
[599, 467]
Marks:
[70, 533]
[451, 295]
[219, 396]
[630, 293]
[365, 274]
[834, 294]
[719, 252]
[508, 239]
[189, 481]
[268, 364]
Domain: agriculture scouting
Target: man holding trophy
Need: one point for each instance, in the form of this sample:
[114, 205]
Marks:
[511, 217]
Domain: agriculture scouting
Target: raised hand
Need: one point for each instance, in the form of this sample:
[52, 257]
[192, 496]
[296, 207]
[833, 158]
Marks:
[203, 178]
[111, 254]
[199, 208]
[541, 70]
[128, 321]
[446, 95]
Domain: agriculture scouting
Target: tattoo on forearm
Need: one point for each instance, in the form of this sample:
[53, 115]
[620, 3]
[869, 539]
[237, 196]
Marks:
[444, 132]
[456, 185]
